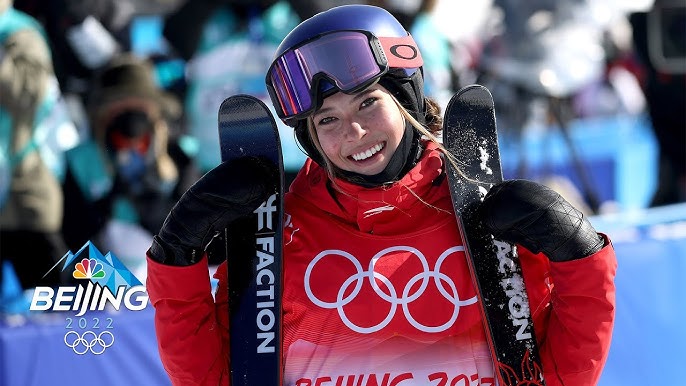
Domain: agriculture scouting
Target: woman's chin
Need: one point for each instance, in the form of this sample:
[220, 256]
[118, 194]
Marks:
[368, 170]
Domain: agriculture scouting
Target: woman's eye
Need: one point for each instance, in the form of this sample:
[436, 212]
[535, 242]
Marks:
[325, 120]
[368, 102]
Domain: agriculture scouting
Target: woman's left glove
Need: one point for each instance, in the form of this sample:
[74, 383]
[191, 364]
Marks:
[229, 191]
[538, 218]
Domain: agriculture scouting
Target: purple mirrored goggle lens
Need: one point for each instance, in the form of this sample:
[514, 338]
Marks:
[344, 58]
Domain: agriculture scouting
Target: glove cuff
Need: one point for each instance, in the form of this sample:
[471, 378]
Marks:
[584, 242]
[167, 254]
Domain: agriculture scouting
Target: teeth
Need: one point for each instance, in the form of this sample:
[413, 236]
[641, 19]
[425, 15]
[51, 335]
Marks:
[366, 154]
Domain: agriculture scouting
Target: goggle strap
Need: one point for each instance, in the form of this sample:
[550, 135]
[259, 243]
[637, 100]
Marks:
[401, 52]
[286, 83]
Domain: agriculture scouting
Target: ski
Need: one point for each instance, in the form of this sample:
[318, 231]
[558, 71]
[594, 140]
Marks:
[253, 247]
[470, 135]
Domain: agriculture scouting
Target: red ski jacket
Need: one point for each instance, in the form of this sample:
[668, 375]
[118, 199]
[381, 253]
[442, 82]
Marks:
[377, 291]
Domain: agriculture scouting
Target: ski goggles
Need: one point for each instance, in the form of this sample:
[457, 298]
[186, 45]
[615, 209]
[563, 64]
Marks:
[140, 144]
[350, 61]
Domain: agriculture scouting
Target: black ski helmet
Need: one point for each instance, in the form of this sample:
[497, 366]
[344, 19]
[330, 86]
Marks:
[404, 83]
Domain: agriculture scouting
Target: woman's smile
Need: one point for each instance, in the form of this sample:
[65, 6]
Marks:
[366, 154]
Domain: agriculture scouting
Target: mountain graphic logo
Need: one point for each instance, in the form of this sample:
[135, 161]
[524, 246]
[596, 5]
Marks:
[88, 263]
[102, 282]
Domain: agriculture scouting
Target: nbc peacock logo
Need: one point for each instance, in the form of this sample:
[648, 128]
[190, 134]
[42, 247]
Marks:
[88, 269]
[102, 283]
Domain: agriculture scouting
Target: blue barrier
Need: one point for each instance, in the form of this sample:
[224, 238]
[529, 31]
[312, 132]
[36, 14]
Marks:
[34, 352]
[649, 339]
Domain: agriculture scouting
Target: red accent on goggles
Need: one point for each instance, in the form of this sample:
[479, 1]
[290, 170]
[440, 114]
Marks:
[348, 60]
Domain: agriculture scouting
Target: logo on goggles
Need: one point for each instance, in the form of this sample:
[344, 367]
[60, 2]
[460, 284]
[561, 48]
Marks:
[395, 50]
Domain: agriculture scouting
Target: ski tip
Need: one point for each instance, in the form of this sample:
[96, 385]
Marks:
[246, 126]
[473, 95]
[243, 107]
[234, 101]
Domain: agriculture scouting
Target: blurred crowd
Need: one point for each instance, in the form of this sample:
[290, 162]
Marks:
[108, 108]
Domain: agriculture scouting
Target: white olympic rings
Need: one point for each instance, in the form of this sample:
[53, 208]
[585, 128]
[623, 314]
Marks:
[88, 341]
[391, 296]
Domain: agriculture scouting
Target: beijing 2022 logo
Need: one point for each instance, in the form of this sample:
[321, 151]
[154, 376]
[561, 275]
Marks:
[103, 282]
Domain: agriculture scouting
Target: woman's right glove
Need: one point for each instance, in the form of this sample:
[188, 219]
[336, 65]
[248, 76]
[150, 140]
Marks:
[229, 191]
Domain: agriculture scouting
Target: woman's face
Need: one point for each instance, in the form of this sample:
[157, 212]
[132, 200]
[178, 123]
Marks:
[359, 133]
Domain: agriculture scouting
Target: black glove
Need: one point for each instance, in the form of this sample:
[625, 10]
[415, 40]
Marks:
[538, 218]
[225, 193]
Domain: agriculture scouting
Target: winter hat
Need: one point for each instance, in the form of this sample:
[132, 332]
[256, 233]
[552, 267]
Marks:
[128, 83]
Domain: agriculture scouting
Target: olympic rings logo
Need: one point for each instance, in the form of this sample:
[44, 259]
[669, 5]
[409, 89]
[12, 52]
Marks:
[391, 295]
[89, 341]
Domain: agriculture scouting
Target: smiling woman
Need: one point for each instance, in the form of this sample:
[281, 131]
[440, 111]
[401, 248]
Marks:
[376, 284]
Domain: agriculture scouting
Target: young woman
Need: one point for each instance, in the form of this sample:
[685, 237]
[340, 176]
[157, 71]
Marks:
[376, 283]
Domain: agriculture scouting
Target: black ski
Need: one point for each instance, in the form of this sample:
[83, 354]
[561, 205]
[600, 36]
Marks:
[254, 249]
[470, 135]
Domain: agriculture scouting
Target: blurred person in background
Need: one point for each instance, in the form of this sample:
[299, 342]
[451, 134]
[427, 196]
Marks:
[659, 38]
[86, 35]
[210, 34]
[121, 183]
[83, 37]
[560, 61]
[34, 132]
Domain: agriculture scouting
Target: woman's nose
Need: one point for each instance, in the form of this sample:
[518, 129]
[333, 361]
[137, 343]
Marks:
[354, 131]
